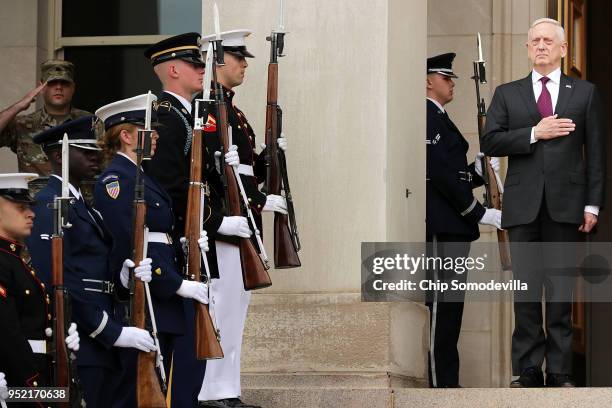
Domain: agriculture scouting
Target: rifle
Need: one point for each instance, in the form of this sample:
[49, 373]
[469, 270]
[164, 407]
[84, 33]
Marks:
[207, 337]
[493, 185]
[64, 364]
[254, 268]
[286, 238]
[149, 392]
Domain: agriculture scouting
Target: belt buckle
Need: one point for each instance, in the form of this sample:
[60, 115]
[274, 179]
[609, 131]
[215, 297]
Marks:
[169, 238]
[465, 176]
[108, 287]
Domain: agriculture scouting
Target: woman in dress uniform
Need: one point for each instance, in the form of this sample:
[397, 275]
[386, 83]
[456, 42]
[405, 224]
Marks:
[113, 197]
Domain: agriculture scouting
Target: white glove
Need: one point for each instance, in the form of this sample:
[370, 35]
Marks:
[3, 388]
[275, 203]
[203, 241]
[133, 337]
[231, 157]
[235, 225]
[281, 142]
[142, 271]
[73, 340]
[495, 164]
[491, 217]
[194, 290]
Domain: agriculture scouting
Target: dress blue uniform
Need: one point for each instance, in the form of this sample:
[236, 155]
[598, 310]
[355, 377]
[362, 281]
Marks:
[88, 274]
[89, 279]
[452, 223]
[113, 197]
[170, 168]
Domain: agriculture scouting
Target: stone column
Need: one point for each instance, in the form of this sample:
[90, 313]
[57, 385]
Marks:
[352, 90]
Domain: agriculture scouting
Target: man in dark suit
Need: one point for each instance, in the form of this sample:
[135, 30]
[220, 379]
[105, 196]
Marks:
[453, 215]
[549, 125]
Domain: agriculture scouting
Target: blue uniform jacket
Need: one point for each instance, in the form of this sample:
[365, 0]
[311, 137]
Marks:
[451, 206]
[113, 197]
[87, 248]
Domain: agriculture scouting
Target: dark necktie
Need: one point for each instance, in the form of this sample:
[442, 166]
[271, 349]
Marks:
[545, 100]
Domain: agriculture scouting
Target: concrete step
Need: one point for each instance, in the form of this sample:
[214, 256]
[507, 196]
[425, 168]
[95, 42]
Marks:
[430, 398]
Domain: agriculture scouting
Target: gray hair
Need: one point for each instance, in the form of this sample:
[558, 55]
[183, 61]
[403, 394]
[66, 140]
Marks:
[558, 28]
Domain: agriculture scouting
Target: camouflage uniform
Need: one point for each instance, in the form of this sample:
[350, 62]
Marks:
[19, 132]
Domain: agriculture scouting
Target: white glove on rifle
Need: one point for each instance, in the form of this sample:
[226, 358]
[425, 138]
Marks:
[281, 143]
[203, 241]
[142, 271]
[194, 290]
[491, 217]
[3, 388]
[231, 157]
[275, 203]
[133, 337]
[495, 164]
[235, 225]
[73, 341]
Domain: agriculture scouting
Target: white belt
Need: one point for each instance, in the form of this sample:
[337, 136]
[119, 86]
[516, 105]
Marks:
[38, 346]
[160, 237]
[246, 170]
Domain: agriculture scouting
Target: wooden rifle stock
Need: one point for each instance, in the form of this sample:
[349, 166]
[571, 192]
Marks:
[254, 273]
[61, 366]
[285, 250]
[148, 389]
[494, 200]
[207, 344]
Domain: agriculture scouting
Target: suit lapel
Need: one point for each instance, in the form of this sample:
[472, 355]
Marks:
[526, 91]
[566, 89]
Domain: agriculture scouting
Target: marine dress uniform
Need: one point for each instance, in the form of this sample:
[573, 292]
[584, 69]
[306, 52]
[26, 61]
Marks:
[452, 223]
[170, 169]
[222, 379]
[24, 305]
[113, 197]
[87, 270]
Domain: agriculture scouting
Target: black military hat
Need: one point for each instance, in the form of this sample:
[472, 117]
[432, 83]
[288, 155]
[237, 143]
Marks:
[81, 133]
[233, 42]
[14, 187]
[132, 110]
[183, 46]
[442, 64]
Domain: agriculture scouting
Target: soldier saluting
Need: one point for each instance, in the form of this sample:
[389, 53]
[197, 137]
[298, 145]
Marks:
[24, 306]
[57, 87]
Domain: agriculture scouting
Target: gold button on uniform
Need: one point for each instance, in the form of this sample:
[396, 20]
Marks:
[27, 291]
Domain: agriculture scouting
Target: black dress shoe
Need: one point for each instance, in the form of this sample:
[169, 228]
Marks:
[236, 402]
[559, 380]
[530, 377]
[213, 404]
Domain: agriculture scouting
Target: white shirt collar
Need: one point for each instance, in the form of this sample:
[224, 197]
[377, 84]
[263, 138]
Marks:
[186, 104]
[554, 76]
[76, 193]
[437, 104]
